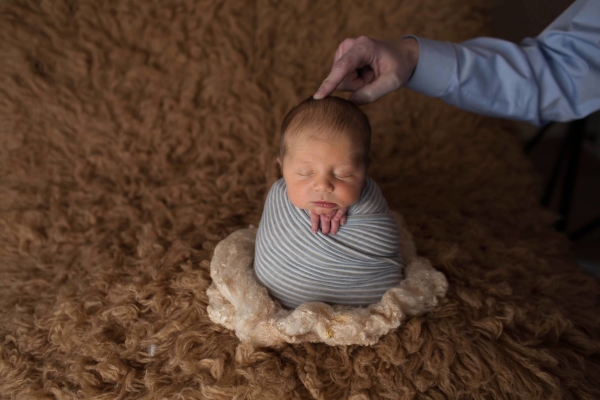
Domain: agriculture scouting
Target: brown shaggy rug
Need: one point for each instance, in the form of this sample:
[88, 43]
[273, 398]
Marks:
[135, 135]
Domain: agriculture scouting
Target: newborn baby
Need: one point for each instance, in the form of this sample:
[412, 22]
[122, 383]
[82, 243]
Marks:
[324, 155]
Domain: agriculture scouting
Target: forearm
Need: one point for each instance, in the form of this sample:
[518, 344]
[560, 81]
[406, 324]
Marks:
[555, 77]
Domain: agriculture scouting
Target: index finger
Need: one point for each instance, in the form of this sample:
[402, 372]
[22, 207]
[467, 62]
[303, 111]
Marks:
[357, 57]
[343, 48]
[314, 222]
[325, 223]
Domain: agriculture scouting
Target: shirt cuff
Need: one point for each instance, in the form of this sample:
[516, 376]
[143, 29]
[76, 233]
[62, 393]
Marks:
[436, 65]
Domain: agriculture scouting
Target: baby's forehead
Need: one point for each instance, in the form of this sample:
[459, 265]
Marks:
[322, 136]
[311, 149]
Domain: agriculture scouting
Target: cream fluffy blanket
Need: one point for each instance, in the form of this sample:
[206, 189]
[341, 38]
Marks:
[238, 302]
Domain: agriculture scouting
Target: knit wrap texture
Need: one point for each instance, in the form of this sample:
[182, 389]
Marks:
[355, 267]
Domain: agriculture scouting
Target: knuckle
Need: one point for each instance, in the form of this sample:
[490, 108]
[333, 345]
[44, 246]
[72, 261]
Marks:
[366, 96]
[395, 81]
[363, 39]
[343, 63]
[346, 43]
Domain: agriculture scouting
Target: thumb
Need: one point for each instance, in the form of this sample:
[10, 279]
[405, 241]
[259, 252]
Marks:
[376, 89]
[356, 57]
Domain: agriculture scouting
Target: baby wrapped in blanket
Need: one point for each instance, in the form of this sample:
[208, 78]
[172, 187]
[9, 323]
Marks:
[324, 155]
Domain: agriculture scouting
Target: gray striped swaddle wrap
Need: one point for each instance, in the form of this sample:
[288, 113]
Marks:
[356, 266]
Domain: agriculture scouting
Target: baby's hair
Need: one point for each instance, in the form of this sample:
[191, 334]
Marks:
[327, 118]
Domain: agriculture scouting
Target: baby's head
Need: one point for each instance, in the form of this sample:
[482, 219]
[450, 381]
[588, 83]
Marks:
[324, 154]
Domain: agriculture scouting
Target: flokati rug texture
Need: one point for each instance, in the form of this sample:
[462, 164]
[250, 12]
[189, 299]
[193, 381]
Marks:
[238, 302]
[136, 135]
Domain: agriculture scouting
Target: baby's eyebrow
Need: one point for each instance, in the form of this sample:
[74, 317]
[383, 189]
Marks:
[353, 165]
[342, 165]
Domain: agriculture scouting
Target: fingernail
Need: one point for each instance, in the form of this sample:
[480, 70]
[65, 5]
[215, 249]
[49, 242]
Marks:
[318, 95]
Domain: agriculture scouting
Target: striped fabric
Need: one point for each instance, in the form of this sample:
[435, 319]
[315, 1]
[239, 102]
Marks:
[354, 267]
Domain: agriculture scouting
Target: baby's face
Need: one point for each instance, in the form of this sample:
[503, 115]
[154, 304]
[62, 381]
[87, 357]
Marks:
[322, 176]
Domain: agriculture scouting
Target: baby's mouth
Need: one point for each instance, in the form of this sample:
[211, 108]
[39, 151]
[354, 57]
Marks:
[324, 204]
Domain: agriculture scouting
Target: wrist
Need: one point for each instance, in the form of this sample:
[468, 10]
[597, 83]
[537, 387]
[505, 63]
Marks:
[435, 67]
[410, 47]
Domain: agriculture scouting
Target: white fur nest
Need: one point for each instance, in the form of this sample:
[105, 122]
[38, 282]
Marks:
[238, 302]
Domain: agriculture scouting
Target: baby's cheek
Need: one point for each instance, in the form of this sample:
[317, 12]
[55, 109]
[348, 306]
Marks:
[354, 198]
[298, 203]
[296, 197]
[354, 193]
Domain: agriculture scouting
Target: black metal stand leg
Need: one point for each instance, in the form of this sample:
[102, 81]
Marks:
[577, 133]
[558, 164]
[570, 150]
[584, 230]
[539, 136]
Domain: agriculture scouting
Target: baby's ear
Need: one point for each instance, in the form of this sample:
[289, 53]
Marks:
[279, 162]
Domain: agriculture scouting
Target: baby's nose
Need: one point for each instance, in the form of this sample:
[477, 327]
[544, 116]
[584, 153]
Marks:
[323, 184]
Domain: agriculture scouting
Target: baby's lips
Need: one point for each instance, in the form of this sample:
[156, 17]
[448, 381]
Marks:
[324, 204]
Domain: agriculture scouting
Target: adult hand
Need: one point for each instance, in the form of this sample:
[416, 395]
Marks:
[370, 68]
[329, 222]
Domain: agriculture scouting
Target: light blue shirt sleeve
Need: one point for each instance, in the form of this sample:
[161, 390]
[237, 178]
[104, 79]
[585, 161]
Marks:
[553, 77]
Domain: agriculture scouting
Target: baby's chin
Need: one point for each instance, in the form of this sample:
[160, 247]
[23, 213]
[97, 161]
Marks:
[313, 208]
[321, 210]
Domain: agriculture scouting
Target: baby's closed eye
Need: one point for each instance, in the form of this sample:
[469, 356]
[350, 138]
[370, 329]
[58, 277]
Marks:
[344, 173]
[305, 173]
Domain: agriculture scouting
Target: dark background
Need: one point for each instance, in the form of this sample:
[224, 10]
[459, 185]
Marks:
[513, 20]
